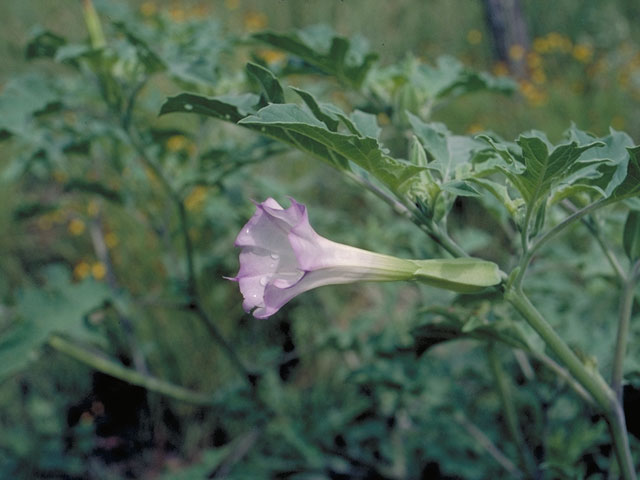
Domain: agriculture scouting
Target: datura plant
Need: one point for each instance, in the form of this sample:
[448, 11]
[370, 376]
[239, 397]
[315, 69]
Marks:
[560, 222]
[531, 187]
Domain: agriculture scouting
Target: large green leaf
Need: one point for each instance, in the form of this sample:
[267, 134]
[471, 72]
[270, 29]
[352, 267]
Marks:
[630, 185]
[310, 134]
[536, 167]
[59, 307]
[449, 77]
[22, 98]
[446, 151]
[329, 53]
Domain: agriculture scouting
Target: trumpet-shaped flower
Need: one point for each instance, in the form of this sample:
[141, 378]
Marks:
[282, 256]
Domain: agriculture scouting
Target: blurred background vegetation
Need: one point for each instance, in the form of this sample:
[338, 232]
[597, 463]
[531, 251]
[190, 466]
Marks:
[83, 224]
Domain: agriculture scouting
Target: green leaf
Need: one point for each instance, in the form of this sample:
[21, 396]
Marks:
[366, 123]
[144, 53]
[449, 77]
[613, 153]
[43, 44]
[320, 47]
[271, 88]
[537, 166]
[22, 99]
[227, 107]
[97, 188]
[446, 151]
[59, 307]
[326, 113]
[631, 236]
[310, 134]
[630, 186]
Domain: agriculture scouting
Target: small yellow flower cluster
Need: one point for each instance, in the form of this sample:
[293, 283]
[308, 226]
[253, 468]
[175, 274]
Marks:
[180, 143]
[76, 227]
[475, 128]
[148, 8]
[272, 56]
[254, 21]
[474, 37]
[111, 240]
[231, 4]
[535, 96]
[177, 11]
[516, 52]
[552, 42]
[98, 270]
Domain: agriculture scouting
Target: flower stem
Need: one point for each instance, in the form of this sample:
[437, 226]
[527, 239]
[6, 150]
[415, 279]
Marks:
[603, 395]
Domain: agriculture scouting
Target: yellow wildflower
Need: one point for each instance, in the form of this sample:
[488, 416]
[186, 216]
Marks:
[541, 45]
[176, 142]
[538, 77]
[500, 69]
[272, 56]
[516, 52]
[475, 128]
[98, 270]
[76, 227]
[177, 14]
[474, 37]
[111, 240]
[255, 20]
[582, 52]
[148, 8]
[81, 270]
[534, 60]
[93, 208]
[383, 119]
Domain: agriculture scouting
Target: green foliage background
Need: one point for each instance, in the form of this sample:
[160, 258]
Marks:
[91, 253]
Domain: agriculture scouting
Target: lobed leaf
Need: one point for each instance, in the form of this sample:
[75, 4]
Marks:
[308, 133]
[321, 48]
[60, 307]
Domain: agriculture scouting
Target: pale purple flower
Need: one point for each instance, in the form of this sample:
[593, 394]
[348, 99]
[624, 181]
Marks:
[282, 256]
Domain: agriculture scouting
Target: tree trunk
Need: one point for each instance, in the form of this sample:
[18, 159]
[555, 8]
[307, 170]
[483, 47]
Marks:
[509, 32]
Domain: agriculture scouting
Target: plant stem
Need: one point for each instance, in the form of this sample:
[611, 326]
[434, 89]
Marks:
[592, 381]
[115, 369]
[194, 301]
[484, 441]
[593, 227]
[618, 430]
[513, 425]
[603, 395]
[624, 319]
[530, 250]
[565, 375]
